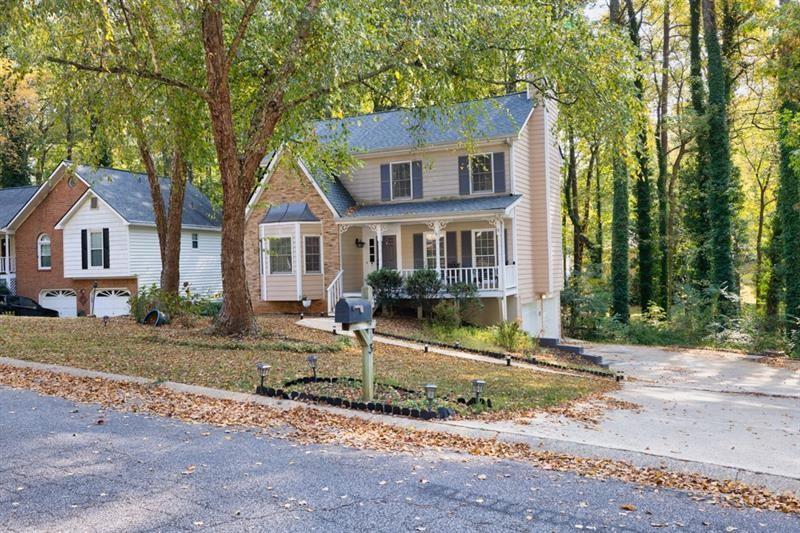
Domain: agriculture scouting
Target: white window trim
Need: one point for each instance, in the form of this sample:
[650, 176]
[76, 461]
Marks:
[268, 257]
[491, 170]
[474, 248]
[195, 238]
[321, 266]
[442, 249]
[39, 252]
[89, 232]
[410, 179]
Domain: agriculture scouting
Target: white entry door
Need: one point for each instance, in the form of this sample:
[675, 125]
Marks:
[112, 302]
[62, 300]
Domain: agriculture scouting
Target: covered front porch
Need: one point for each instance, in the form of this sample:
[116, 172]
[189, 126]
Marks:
[8, 262]
[478, 250]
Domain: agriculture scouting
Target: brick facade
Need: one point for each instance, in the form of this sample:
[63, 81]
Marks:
[30, 280]
[287, 185]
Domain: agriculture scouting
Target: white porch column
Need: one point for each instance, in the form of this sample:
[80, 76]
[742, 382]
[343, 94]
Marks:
[500, 255]
[298, 264]
[437, 226]
[378, 229]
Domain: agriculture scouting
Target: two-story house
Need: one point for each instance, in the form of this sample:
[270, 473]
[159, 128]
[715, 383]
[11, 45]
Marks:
[85, 240]
[472, 191]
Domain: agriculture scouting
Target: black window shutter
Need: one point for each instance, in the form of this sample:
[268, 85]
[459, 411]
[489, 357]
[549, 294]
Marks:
[84, 250]
[419, 258]
[463, 175]
[106, 261]
[386, 185]
[451, 238]
[416, 178]
[499, 164]
[466, 249]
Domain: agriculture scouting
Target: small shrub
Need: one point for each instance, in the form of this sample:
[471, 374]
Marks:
[446, 315]
[173, 305]
[466, 299]
[423, 286]
[509, 335]
[386, 285]
[4, 290]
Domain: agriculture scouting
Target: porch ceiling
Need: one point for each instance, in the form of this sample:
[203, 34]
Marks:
[464, 206]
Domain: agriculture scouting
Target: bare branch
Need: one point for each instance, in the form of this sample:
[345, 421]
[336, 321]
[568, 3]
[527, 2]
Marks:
[237, 39]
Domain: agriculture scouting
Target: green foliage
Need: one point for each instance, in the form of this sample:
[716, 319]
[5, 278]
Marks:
[423, 286]
[446, 315]
[619, 241]
[175, 306]
[466, 298]
[510, 335]
[387, 285]
[4, 290]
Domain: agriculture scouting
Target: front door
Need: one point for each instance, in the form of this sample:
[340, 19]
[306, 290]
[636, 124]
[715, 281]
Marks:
[389, 251]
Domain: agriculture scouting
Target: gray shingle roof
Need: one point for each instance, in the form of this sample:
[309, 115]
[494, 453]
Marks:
[294, 212]
[488, 118]
[439, 207]
[337, 194]
[128, 193]
[12, 200]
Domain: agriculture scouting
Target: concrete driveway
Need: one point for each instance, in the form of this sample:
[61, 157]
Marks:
[713, 408]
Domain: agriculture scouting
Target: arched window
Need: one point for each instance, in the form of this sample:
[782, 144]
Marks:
[45, 257]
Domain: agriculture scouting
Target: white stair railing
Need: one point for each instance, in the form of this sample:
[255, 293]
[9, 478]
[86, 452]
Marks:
[335, 291]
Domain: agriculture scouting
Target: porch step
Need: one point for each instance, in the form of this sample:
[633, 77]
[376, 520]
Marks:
[575, 350]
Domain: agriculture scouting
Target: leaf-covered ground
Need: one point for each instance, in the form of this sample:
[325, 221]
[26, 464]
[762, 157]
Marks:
[307, 425]
[189, 355]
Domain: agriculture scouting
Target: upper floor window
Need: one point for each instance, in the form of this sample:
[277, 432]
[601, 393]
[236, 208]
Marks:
[313, 254]
[481, 173]
[96, 248]
[93, 202]
[280, 255]
[45, 254]
[401, 180]
[195, 240]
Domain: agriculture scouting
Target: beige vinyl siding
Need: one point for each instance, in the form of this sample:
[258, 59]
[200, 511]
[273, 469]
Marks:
[554, 164]
[522, 214]
[281, 287]
[439, 173]
[539, 194]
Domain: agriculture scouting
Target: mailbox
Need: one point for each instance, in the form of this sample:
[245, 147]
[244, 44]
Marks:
[353, 311]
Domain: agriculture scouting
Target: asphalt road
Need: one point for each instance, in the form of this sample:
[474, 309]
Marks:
[61, 470]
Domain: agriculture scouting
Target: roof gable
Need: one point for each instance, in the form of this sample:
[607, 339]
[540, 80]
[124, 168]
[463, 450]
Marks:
[128, 193]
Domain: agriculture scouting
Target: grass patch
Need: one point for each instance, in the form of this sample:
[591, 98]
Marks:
[189, 355]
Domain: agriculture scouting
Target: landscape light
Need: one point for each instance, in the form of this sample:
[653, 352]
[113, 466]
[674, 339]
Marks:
[263, 371]
[430, 394]
[477, 387]
[312, 362]
[306, 302]
[508, 360]
[426, 348]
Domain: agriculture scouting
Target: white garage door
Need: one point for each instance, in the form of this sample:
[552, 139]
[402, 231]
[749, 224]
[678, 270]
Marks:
[111, 302]
[62, 300]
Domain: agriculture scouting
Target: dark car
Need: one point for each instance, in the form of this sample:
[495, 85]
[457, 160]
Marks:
[22, 306]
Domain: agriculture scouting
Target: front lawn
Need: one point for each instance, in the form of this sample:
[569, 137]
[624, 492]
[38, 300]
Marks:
[189, 355]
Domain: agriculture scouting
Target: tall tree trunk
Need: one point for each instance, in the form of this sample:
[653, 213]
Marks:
[598, 211]
[719, 169]
[644, 223]
[662, 146]
[697, 207]
[759, 238]
[572, 205]
[620, 305]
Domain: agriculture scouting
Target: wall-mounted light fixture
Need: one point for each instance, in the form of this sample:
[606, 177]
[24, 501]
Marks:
[359, 243]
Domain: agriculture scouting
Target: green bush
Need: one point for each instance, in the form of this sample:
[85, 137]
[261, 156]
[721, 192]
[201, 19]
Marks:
[183, 304]
[423, 286]
[387, 285]
[446, 315]
[4, 291]
[509, 335]
[466, 299]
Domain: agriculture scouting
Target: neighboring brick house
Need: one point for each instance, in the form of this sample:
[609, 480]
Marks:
[85, 241]
[473, 193]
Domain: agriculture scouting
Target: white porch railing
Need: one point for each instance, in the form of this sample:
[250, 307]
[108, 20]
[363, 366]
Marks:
[335, 291]
[484, 278]
[8, 265]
